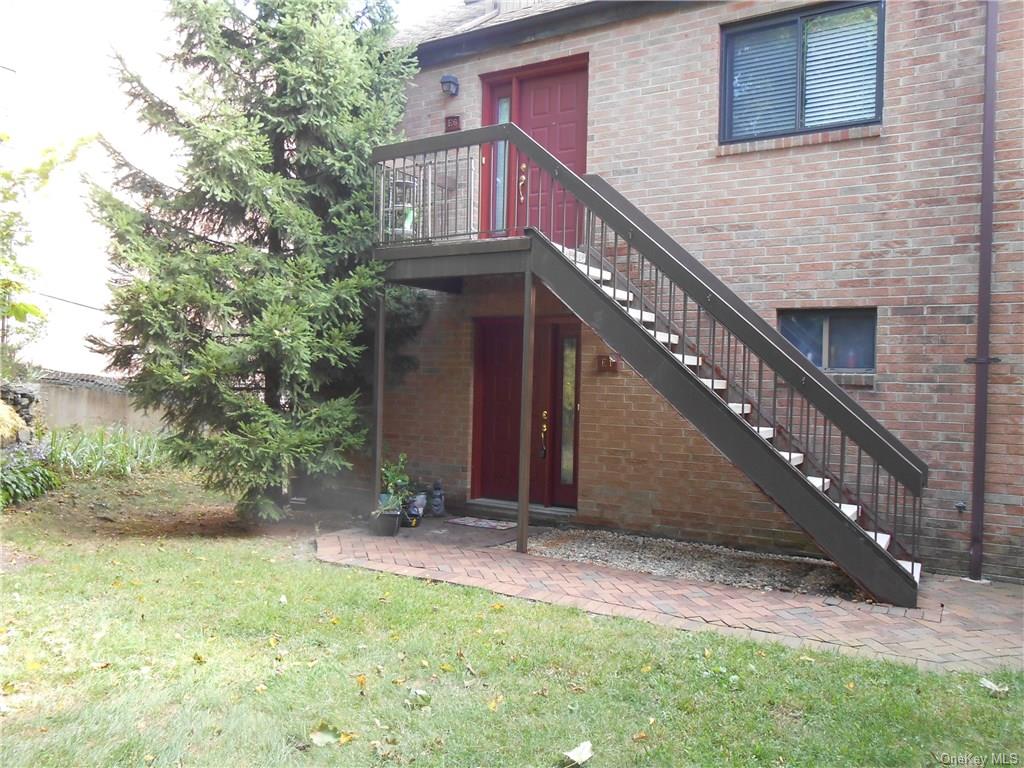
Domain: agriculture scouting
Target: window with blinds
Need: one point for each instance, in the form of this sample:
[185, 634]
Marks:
[810, 70]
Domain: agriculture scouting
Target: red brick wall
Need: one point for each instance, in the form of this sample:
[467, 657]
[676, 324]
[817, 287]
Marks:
[642, 466]
[885, 217]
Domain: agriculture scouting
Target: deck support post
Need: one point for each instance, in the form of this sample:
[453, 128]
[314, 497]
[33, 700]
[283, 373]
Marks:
[526, 408]
[378, 395]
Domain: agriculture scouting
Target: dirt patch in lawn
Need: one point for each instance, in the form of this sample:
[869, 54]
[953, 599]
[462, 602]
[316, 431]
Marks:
[12, 559]
[157, 504]
[700, 562]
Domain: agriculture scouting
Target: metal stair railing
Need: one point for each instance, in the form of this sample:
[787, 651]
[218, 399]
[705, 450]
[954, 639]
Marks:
[449, 187]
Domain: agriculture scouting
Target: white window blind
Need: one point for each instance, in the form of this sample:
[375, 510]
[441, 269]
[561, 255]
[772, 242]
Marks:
[841, 67]
[801, 71]
[764, 81]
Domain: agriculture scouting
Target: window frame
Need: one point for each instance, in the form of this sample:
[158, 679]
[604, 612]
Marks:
[798, 17]
[826, 338]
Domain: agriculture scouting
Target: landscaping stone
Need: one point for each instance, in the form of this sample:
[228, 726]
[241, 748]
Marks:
[701, 562]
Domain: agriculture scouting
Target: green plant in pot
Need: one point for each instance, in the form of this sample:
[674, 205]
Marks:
[394, 495]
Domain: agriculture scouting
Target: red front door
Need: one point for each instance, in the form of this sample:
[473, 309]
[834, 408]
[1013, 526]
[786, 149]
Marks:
[549, 102]
[554, 424]
[553, 111]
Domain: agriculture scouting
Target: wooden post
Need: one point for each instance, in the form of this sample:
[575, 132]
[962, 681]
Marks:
[378, 396]
[525, 409]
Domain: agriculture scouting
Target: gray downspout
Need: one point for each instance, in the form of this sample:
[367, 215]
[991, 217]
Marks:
[981, 360]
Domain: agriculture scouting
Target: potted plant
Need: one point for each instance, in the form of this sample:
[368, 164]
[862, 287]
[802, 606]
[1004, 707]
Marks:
[393, 496]
[387, 517]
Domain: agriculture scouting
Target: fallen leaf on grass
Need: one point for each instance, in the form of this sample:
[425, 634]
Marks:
[198, 658]
[994, 689]
[807, 658]
[640, 736]
[361, 681]
[324, 734]
[578, 756]
[494, 703]
[101, 665]
[497, 606]
[850, 686]
[418, 698]
[446, 667]
[541, 692]
[646, 668]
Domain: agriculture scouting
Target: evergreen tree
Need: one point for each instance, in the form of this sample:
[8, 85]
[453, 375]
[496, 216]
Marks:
[241, 290]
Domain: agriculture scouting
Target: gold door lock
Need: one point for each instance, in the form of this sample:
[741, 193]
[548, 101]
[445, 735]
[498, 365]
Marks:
[544, 434]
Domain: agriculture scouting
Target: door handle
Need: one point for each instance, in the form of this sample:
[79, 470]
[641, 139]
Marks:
[544, 434]
[522, 182]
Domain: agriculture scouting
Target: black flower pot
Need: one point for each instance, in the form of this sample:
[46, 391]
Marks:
[386, 523]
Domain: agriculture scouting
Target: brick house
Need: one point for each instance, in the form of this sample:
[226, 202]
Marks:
[772, 216]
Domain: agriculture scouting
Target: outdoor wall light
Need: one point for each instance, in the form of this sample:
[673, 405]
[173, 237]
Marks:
[450, 85]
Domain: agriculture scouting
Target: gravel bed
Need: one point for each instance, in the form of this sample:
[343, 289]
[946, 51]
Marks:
[700, 562]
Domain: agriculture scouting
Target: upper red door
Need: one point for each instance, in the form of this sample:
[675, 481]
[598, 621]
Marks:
[553, 111]
[550, 106]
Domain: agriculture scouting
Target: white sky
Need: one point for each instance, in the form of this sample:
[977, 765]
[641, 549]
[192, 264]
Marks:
[63, 88]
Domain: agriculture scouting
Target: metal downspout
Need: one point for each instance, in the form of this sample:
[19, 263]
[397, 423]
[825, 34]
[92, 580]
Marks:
[981, 360]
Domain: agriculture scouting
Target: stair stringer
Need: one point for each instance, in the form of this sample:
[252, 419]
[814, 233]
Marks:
[845, 542]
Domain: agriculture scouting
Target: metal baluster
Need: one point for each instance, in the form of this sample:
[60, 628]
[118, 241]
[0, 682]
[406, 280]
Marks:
[842, 469]
[890, 509]
[551, 211]
[860, 457]
[826, 439]
[760, 383]
[874, 496]
[686, 309]
[775, 404]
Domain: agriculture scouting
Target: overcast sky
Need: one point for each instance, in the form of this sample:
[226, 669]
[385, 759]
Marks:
[62, 89]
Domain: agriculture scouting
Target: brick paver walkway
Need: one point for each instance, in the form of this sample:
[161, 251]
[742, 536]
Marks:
[958, 625]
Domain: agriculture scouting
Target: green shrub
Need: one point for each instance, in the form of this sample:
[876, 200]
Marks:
[23, 476]
[109, 451]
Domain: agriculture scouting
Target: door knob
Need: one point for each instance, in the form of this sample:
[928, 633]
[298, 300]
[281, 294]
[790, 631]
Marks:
[544, 434]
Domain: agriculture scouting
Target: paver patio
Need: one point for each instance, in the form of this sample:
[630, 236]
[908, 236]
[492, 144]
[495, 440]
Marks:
[957, 626]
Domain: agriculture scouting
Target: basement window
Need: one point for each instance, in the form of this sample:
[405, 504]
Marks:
[815, 69]
[840, 340]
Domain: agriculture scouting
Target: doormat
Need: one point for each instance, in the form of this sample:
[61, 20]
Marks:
[480, 522]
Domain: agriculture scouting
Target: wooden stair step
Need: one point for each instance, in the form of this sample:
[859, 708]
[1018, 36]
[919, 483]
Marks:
[881, 539]
[618, 294]
[914, 569]
[715, 383]
[850, 510]
[796, 459]
[692, 360]
[665, 338]
[821, 483]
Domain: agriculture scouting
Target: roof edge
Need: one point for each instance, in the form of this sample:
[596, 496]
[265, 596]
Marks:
[560, 21]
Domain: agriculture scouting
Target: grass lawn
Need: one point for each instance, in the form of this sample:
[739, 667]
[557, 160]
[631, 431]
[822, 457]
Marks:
[149, 630]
